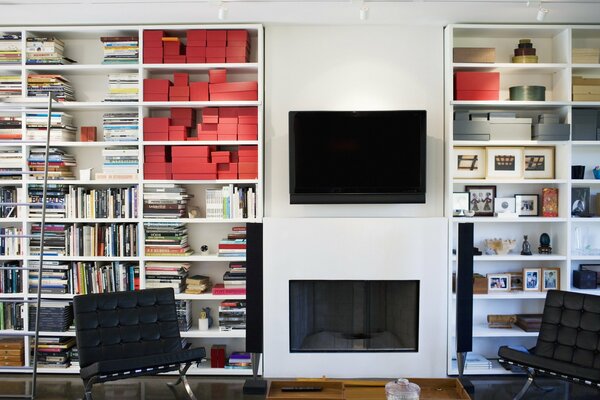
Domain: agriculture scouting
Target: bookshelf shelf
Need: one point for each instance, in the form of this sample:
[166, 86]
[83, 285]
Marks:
[193, 258]
[485, 331]
[209, 296]
[245, 67]
[214, 333]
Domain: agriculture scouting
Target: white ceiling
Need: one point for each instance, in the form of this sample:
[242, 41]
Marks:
[428, 12]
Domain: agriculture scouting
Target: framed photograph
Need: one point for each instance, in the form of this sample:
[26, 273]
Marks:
[498, 282]
[460, 203]
[504, 205]
[551, 278]
[516, 281]
[481, 200]
[539, 163]
[527, 205]
[469, 162]
[580, 201]
[531, 279]
[504, 162]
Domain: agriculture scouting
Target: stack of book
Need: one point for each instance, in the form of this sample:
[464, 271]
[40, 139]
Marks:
[235, 243]
[120, 126]
[10, 242]
[10, 128]
[122, 87]
[12, 352]
[10, 48]
[56, 277]
[54, 352]
[61, 126]
[232, 315]
[11, 315]
[11, 280]
[167, 239]
[120, 49]
[165, 200]
[40, 85]
[121, 162]
[184, 314]
[231, 202]
[11, 164]
[54, 240]
[197, 284]
[529, 322]
[8, 195]
[74, 356]
[167, 275]
[102, 240]
[236, 276]
[55, 316]
[10, 86]
[477, 361]
[92, 277]
[55, 200]
[239, 360]
[41, 50]
[59, 163]
[81, 202]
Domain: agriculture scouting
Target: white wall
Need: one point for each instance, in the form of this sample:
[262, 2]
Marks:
[351, 68]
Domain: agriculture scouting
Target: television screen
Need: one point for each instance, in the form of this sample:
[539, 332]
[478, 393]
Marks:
[357, 157]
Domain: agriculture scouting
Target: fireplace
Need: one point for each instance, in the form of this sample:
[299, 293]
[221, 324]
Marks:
[354, 316]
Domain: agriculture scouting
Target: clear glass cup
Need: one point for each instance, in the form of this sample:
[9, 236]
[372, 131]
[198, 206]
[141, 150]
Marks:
[402, 389]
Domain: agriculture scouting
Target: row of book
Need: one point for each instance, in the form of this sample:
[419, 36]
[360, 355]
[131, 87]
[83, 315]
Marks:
[11, 164]
[10, 128]
[46, 50]
[121, 160]
[231, 202]
[11, 242]
[120, 126]
[55, 316]
[10, 85]
[166, 239]
[60, 163]
[234, 245]
[10, 48]
[11, 278]
[39, 85]
[167, 275]
[57, 352]
[184, 314]
[232, 315]
[11, 315]
[120, 49]
[9, 195]
[61, 126]
[123, 87]
[165, 201]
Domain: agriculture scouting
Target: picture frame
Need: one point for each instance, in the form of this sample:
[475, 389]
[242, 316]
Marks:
[527, 205]
[460, 203]
[469, 162]
[504, 162]
[580, 201]
[532, 279]
[504, 205]
[498, 282]
[538, 163]
[481, 200]
[516, 281]
[550, 278]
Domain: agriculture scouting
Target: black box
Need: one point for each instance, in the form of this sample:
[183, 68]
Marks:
[584, 279]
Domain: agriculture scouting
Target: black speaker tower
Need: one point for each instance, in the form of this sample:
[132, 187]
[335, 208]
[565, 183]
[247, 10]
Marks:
[254, 305]
[464, 295]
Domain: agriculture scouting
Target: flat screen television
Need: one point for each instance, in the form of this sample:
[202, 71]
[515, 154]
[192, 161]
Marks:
[360, 157]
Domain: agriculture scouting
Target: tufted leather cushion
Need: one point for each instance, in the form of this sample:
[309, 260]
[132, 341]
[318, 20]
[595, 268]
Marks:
[569, 338]
[126, 325]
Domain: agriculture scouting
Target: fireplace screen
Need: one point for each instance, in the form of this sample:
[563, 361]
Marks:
[354, 316]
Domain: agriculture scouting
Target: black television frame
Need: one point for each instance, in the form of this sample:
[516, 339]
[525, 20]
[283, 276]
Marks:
[408, 197]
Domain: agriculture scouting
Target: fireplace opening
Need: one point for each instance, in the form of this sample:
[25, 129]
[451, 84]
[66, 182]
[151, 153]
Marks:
[354, 316]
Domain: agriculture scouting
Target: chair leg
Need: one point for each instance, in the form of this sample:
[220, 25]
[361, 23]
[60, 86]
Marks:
[87, 387]
[183, 378]
[530, 377]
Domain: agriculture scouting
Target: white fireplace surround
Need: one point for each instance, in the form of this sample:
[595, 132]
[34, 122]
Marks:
[356, 249]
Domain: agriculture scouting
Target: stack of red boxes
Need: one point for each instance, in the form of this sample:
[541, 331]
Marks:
[175, 128]
[157, 163]
[193, 163]
[238, 46]
[180, 91]
[476, 85]
[87, 134]
[229, 123]
[196, 46]
[248, 162]
[207, 130]
[156, 89]
[153, 47]
[156, 128]
[221, 90]
[217, 356]
[216, 45]
[173, 50]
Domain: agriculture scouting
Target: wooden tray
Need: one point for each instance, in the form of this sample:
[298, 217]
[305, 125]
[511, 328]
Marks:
[431, 389]
[332, 390]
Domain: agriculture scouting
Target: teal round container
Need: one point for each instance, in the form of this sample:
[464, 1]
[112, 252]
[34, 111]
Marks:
[527, 93]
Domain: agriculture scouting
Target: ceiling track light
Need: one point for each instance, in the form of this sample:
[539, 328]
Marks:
[222, 14]
[363, 12]
[542, 12]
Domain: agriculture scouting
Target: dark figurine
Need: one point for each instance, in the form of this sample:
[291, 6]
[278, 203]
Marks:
[526, 249]
[210, 318]
[204, 249]
[545, 244]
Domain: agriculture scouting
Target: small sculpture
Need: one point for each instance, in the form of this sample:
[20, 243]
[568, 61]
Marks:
[545, 244]
[206, 310]
[204, 249]
[193, 212]
[500, 246]
[526, 248]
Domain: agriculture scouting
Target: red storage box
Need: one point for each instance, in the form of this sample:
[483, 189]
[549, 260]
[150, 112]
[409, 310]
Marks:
[174, 59]
[87, 134]
[231, 60]
[207, 128]
[190, 151]
[178, 128]
[188, 123]
[172, 48]
[236, 51]
[179, 91]
[230, 167]
[157, 168]
[195, 51]
[199, 91]
[226, 136]
[196, 35]
[153, 52]
[247, 129]
[195, 177]
[195, 59]
[220, 157]
[153, 35]
[228, 115]
[248, 115]
[210, 115]
[467, 80]
[217, 76]
[227, 129]
[192, 166]
[155, 150]
[154, 159]
[216, 35]
[247, 167]
[239, 35]
[476, 95]
[152, 60]
[156, 136]
[156, 97]
[163, 176]
[182, 113]
[252, 175]
[248, 150]
[215, 60]
[177, 135]
[234, 96]
[156, 124]
[216, 44]
[233, 87]
[181, 79]
[215, 52]
[208, 136]
[157, 86]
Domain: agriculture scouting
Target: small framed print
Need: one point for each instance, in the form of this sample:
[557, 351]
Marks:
[504, 205]
[527, 205]
[580, 201]
[516, 281]
[481, 200]
[469, 162]
[531, 279]
[538, 163]
[498, 282]
[460, 203]
[550, 279]
[504, 162]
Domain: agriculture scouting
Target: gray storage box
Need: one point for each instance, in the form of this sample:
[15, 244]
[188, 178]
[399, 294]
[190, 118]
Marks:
[556, 131]
[585, 124]
[481, 137]
[510, 129]
[549, 138]
[462, 127]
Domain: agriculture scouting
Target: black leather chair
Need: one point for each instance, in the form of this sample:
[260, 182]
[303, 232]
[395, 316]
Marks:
[568, 345]
[128, 334]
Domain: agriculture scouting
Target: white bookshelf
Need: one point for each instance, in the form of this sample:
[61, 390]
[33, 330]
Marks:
[554, 44]
[89, 80]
